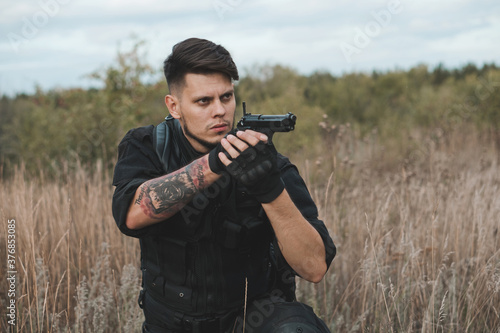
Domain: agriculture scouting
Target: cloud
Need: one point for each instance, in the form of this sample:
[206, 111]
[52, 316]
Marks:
[79, 37]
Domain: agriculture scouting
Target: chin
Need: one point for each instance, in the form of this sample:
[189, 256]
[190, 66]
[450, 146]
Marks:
[220, 135]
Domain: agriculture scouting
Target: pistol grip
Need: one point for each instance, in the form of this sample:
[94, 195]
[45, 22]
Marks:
[270, 133]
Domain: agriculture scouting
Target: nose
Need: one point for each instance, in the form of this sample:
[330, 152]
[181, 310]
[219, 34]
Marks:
[218, 109]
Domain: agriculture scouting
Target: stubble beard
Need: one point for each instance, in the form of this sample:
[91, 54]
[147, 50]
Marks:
[201, 141]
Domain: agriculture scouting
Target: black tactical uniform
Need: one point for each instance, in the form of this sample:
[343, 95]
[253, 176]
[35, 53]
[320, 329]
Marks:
[200, 265]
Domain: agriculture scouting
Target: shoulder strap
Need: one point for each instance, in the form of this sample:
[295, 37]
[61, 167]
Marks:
[167, 149]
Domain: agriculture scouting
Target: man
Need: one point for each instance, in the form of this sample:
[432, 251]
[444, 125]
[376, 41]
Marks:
[224, 221]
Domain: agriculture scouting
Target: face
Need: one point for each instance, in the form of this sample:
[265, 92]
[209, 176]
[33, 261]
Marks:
[205, 107]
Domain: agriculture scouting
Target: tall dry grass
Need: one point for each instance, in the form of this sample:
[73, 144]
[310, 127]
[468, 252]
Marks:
[76, 273]
[417, 239]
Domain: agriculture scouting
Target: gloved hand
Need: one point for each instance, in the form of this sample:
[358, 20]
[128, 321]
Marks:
[214, 161]
[256, 168]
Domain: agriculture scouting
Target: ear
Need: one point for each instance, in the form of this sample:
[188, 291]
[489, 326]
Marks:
[172, 104]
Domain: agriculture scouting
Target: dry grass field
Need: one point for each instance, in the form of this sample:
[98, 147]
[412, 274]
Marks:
[418, 243]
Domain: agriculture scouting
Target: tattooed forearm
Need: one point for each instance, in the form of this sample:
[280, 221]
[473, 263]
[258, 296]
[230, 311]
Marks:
[162, 197]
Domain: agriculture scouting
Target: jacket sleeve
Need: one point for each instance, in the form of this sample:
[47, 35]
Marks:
[137, 163]
[301, 197]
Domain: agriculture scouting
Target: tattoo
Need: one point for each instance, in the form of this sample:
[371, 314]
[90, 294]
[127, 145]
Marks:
[162, 197]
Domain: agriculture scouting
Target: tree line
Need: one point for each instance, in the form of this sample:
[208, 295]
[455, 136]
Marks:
[85, 125]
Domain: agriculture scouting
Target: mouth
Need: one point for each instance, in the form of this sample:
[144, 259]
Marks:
[220, 127]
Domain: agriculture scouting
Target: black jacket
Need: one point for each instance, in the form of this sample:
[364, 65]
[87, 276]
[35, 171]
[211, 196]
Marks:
[196, 262]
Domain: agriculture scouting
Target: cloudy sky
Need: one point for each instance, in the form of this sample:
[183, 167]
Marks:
[55, 43]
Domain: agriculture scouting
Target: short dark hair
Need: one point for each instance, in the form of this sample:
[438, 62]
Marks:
[197, 56]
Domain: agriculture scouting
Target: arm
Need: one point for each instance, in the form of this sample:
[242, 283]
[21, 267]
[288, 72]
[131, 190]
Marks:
[299, 242]
[160, 198]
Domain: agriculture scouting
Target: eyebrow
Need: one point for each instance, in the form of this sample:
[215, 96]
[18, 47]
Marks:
[197, 98]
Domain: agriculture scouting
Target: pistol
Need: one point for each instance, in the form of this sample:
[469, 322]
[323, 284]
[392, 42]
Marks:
[267, 124]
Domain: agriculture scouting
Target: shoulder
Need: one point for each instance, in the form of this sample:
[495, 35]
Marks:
[138, 139]
[136, 156]
[139, 134]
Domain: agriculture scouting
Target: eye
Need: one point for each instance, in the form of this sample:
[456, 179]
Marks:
[227, 97]
[203, 101]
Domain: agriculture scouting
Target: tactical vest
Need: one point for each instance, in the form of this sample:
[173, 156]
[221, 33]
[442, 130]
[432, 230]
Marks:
[198, 259]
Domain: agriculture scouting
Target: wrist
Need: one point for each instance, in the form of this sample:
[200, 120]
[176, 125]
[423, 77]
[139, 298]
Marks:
[210, 175]
[271, 195]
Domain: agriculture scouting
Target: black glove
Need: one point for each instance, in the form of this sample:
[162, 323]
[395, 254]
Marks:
[214, 161]
[256, 168]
